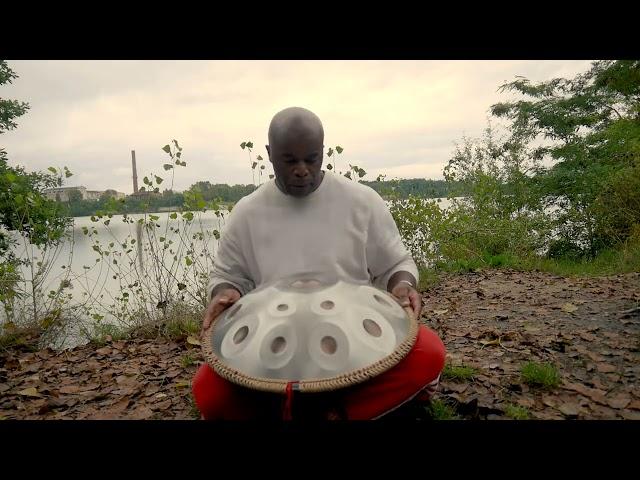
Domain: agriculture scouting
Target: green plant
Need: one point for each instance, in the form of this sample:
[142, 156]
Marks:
[543, 375]
[187, 360]
[516, 412]
[458, 372]
[439, 410]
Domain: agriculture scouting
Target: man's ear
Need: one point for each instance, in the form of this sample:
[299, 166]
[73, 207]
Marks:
[268, 152]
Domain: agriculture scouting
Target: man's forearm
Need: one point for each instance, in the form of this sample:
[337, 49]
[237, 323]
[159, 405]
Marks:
[403, 277]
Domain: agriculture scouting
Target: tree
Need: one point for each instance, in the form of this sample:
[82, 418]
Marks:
[9, 109]
[590, 129]
[23, 208]
[25, 213]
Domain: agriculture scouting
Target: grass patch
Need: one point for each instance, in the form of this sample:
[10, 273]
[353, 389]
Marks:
[25, 338]
[177, 324]
[625, 259]
[543, 375]
[103, 332]
[178, 327]
[187, 360]
[516, 412]
[439, 410]
[607, 262]
[429, 278]
[459, 372]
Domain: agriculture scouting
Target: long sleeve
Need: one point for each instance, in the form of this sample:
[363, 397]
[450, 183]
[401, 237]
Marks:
[386, 254]
[229, 265]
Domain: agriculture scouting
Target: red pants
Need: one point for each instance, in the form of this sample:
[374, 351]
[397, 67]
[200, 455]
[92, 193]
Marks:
[219, 399]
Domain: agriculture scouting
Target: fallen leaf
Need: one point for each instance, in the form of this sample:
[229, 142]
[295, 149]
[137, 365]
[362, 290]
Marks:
[526, 402]
[104, 351]
[126, 381]
[193, 341]
[30, 392]
[120, 405]
[162, 405]
[547, 415]
[70, 389]
[606, 368]
[183, 384]
[589, 337]
[630, 415]
[94, 364]
[4, 387]
[151, 389]
[457, 333]
[89, 387]
[161, 395]
[594, 356]
[569, 308]
[598, 384]
[440, 312]
[618, 402]
[34, 367]
[142, 413]
[125, 391]
[569, 409]
[458, 387]
[635, 405]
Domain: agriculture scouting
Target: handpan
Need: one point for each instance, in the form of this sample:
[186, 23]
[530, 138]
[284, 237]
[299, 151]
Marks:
[317, 333]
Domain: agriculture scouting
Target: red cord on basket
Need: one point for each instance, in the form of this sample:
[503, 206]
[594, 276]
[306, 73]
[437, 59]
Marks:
[288, 403]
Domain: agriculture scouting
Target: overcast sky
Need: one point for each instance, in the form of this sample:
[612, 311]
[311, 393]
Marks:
[399, 118]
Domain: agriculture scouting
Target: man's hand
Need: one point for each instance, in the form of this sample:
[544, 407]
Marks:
[408, 296]
[222, 300]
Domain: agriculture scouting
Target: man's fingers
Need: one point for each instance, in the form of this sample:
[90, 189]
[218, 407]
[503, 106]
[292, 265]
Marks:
[403, 301]
[215, 308]
[416, 302]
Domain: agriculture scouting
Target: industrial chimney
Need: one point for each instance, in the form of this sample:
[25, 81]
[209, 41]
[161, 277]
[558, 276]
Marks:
[135, 172]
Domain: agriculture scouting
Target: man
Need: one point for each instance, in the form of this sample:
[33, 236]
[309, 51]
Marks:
[308, 221]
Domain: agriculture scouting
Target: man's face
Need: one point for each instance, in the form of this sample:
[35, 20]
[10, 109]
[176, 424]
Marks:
[297, 163]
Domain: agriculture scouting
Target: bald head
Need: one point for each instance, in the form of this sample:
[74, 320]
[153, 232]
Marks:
[295, 149]
[294, 122]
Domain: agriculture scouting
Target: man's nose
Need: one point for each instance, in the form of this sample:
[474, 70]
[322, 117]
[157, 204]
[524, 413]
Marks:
[301, 171]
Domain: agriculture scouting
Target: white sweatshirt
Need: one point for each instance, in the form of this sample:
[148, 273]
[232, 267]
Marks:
[343, 228]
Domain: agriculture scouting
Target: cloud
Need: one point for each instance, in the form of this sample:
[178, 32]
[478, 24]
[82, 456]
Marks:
[395, 117]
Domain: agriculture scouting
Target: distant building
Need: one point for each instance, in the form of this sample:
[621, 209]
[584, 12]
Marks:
[61, 194]
[112, 193]
[92, 195]
[145, 194]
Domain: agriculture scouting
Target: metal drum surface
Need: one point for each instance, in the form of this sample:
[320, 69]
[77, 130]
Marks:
[322, 334]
